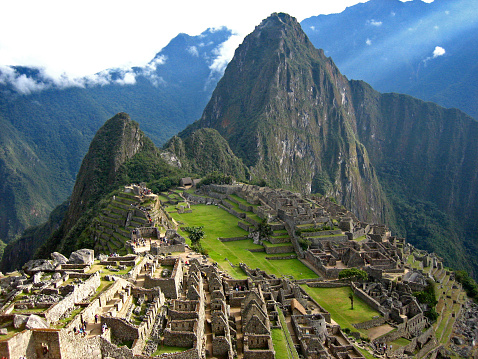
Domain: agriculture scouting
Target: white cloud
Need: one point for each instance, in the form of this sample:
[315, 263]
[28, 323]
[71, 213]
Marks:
[439, 51]
[312, 28]
[152, 66]
[129, 78]
[20, 82]
[374, 22]
[83, 40]
[224, 53]
[368, 42]
[193, 50]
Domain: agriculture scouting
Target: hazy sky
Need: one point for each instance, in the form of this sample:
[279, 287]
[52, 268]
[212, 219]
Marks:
[79, 38]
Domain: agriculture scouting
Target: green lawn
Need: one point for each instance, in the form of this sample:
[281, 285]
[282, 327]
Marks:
[336, 301]
[280, 345]
[219, 223]
[289, 344]
[400, 342]
[164, 349]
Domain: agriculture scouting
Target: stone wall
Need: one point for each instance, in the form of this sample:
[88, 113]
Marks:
[19, 345]
[244, 226]
[327, 284]
[80, 292]
[120, 328]
[169, 286]
[232, 239]
[367, 299]
[370, 323]
[292, 256]
[110, 350]
[279, 249]
[201, 200]
[167, 248]
[74, 346]
[317, 240]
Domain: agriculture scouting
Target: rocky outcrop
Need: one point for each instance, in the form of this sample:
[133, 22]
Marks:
[38, 265]
[36, 322]
[82, 256]
[59, 258]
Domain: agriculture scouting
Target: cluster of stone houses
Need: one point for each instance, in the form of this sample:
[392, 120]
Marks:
[187, 302]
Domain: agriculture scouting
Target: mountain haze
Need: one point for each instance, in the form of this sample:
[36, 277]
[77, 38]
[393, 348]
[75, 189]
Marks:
[48, 126]
[427, 50]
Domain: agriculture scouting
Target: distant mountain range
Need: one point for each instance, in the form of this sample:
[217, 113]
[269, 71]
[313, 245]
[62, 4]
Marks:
[427, 50]
[46, 133]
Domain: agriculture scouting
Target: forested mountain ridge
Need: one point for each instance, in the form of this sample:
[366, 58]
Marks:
[48, 126]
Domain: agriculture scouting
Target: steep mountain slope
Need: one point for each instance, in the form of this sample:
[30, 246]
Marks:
[427, 50]
[205, 151]
[119, 152]
[286, 110]
[47, 132]
[427, 159]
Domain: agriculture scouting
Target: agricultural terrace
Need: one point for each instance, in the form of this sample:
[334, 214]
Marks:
[220, 224]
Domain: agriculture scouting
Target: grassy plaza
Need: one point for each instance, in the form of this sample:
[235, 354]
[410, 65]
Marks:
[220, 224]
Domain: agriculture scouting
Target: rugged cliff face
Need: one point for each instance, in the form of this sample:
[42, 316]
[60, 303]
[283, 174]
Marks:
[427, 153]
[118, 143]
[286, 110]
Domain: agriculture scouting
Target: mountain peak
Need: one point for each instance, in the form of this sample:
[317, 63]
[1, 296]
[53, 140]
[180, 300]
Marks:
[116, 141]
[286, 111]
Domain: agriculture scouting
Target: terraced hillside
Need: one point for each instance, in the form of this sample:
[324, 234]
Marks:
[125, 212]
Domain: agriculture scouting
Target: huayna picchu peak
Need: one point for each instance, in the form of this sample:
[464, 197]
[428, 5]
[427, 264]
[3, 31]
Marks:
[286, 110]
[296, 122]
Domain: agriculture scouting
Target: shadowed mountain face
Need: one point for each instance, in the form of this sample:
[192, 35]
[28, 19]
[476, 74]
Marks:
[286, 110]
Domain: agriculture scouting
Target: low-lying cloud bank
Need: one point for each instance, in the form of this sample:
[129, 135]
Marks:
[26, 80]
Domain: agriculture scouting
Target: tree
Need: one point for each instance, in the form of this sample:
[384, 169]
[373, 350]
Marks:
[351, 273]
[264, 229]
[195, 234]
[351, 297]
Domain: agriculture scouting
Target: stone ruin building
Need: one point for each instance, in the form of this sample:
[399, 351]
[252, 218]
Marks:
[135, 304]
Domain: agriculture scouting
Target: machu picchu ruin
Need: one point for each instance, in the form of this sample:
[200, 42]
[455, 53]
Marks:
[145, 292]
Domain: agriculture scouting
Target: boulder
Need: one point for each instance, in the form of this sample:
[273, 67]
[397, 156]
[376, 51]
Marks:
[38, 265]
[19, 321]
[102, 257]
[3, 331]
[58, 258]
[36, 322]
[82, 256]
